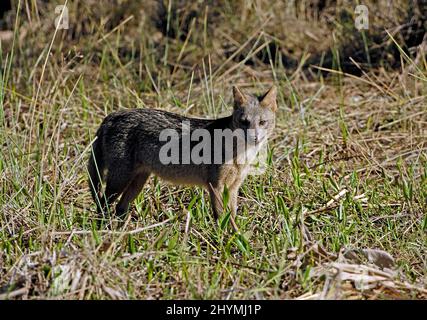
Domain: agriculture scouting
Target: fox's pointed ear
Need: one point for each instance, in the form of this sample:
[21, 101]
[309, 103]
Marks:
[268, 100]
[239, 97]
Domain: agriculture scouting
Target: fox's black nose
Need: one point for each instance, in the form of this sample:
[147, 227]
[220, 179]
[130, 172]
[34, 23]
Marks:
[253, 139]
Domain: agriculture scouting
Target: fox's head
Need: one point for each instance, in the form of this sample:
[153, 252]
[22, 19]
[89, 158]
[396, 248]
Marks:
[255, 115]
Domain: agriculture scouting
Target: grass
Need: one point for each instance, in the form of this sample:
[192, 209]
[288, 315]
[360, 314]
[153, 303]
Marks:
[347, 168]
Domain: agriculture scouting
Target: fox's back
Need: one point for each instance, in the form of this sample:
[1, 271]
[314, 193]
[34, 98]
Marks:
[131, 138]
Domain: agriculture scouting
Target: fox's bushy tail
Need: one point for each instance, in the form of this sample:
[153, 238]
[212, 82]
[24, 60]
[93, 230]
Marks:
[96, 168]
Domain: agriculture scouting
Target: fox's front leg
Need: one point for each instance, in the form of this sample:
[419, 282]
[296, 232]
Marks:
[216, 194]
[232, 202]
[217, 199]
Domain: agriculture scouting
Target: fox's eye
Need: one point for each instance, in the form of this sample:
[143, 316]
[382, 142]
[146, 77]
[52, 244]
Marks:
[245, 122]
[262, 122]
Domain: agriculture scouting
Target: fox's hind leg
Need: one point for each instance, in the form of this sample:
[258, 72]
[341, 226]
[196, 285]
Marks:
[117, 181]
[131, 192]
